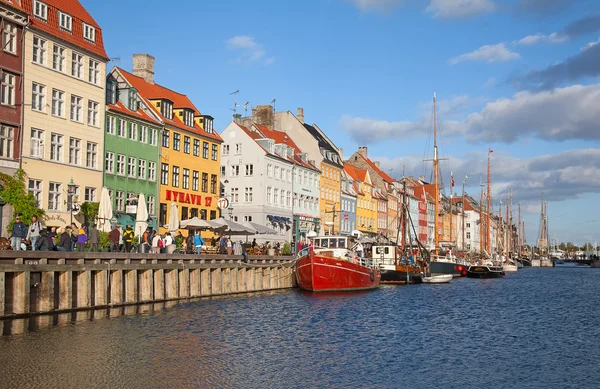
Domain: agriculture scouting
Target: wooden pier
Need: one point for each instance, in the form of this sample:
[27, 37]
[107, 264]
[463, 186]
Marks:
[39, 283]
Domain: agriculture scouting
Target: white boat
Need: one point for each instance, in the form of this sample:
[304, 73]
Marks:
[439, 279]
[509, 268]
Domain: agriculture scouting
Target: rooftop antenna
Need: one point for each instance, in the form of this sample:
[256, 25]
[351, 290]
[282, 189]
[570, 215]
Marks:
[246, 108]
[115, 59]
[235, 105]
[273, 102]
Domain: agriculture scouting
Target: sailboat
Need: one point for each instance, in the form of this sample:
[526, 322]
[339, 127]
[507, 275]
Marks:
[509, 266]
[441, 264]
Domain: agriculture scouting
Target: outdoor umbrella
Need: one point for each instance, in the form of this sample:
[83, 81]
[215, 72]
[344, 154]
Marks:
[196, 223]
[260, 229]
[105, 210]
[141, 217]
[232, 228]
[173, 218]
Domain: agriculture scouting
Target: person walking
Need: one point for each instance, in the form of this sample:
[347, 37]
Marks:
[94, 238]
[45, 242]
[229, 246]
[114, 237]
[82, 238]
[128, 238]
[74, 233]
[198, 242]
[157, 243]
[33, 232]
[19, 232]
[64, 243]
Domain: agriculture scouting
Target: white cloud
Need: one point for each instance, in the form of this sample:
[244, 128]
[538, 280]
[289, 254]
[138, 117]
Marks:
[531, 40]
[249, 50]
[378, 5]
[446, 9]
[590, 45]
[487, 53]
[556, 115]
[490, 82]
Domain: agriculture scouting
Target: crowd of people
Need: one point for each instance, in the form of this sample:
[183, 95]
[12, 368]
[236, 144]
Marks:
[37, 238]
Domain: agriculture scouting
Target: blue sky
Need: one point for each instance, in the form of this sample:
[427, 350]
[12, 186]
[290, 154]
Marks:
[518, 76]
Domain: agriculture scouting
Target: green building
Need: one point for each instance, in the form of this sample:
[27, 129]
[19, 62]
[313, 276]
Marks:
[131, 151]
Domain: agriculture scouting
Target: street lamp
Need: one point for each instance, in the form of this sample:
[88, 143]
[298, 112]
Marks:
[71, 187]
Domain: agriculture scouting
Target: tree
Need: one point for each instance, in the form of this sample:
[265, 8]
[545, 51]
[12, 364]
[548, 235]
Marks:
[14, 192]
[89, 212]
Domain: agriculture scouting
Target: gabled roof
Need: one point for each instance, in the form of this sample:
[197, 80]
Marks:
[281, 137]
[51, 25]
[325, 145]
[139, 114]
[356, 174]
[150, 91]
[377, 170]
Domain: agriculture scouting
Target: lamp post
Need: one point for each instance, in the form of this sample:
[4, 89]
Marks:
[71, 187]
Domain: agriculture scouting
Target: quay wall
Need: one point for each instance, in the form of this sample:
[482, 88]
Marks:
[39, 283]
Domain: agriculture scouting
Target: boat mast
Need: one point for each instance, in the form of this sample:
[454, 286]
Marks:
[519, 232]
[489, 199]
[510, 230]
[435, 174]
[506, 239]
[481, 222]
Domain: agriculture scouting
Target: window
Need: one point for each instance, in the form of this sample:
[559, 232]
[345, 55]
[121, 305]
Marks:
[196, 148]
[144, 134]
[151, 201]
[249, 169]
[120, 164]
[205, 150]
[54, 195]
[89, 194]
[238, 148]
[247, 218]
[288, 199]
[234, 195]
[166, 138]
[9, 37]
[38, 97]
[468, 235]
[269, 170]
[76, 108]
[175, 179]
[186, 144]
[213, 183]
[65, 21]
[111, 123]
[186, 179]
[162, 214]
[235, 171]
[89, 32]
[151, 171]
[132, 131]
[208, 125]
[77, 65]
[74, 151]
[195, 177]
[37, 143]
[223, 170]
[269, 194]
[35, 188]
[167, 109]
[188, 118]
[92, 113]
[39, 50]
[276, 176]
[176, 141]
[204, 182]
[164, 174]
[215, 152]
[141, 173]
[40, 9]
[131, 165]
[248, 195]
[153, 135]
[8, 89]
[225, 150]
[275, 196]
[120, 203]
[56, 147]
[121, 128]
[109, 162]
[91, 155]
[6, 141]
[94, 72]
[58, 103]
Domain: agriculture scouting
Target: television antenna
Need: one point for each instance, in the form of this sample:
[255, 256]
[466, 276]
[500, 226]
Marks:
[246, 107]
[273, 102]
[235, 105]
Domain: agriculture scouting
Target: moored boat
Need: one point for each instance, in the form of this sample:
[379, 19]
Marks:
[448, 264]
[485, 271]
[330, 266]
[439, 279]
[394, 269]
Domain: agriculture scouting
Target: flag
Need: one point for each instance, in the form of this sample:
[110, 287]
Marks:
[466, 176]
[451, 180]
[491, 151]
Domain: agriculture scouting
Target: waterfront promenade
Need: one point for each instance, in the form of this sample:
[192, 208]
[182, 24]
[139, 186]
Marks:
[37, 283]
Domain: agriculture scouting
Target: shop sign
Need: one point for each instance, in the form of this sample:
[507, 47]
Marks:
[187, 198]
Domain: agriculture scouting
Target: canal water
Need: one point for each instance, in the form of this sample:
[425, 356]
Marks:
[538, 328]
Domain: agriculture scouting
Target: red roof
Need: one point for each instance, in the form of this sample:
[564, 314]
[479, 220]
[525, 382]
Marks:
[281, 137]
[150, 91]
[140, 114]
[380, 172]
[51, 26]
[357, 174]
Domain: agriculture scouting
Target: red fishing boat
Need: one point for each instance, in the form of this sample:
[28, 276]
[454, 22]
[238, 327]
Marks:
[330, 266]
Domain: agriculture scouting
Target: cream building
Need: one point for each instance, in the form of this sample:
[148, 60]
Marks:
[64, 106]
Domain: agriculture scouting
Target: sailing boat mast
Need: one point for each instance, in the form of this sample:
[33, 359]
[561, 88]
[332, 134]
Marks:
[489, 199]
[435, 175]
[510, 225]
[519, 232]
[506, 227]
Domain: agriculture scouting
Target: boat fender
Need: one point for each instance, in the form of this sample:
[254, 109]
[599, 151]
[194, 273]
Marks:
[372, 276]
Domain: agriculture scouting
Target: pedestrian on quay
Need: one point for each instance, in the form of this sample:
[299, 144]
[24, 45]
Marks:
[198, 242]
[229, 245]
[222, 244]
[94, 238]
[33, 232]
[74, 233]
[128, 238]
[65, 242]
[157, 243]
[114, 237]
[82, 238]
[45, 242]
[19, 232]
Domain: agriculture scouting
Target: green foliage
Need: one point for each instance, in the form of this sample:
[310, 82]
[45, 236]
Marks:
[179, 241]
[287, 249]
[104, 241]
[14, 192]
[89, 212]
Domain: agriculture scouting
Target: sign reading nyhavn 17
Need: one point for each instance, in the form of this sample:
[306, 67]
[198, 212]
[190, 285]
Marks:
[182, 197]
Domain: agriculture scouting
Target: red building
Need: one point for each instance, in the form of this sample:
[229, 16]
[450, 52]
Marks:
[423, 224]
[12, 21]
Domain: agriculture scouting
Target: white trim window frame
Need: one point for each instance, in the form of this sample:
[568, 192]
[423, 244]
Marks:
[9, 38]
[58, 103]
[77, 65]
[40, 10]
[39, 50]
[89, 32]
[76, 115]
[58, 58]
[65, 21]
[9, 85]
[38, 97]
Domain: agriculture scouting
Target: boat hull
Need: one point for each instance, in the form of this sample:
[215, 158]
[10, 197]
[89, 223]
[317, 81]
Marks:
[319, 273]
[510, 268]
[401, 274]
[482, 271]
[439, 268]
[440, 279]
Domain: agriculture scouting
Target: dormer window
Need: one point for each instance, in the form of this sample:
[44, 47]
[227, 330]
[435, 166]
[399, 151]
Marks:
[40, 9]
[89, 32]
[133, 103]
[208, 124]
[167, 109]
[188, 118]
[111, 91]
[65, 21]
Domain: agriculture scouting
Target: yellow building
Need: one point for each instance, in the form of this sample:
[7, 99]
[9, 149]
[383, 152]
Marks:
[190, 148]
[329, 200]
[63, 107]
[366, 204]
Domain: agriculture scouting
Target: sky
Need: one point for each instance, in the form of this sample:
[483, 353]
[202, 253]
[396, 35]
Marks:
[518, 77]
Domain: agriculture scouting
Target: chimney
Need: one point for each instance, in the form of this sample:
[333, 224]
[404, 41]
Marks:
[300, 115]
[377, 164]
[143, 66]
[264, 115]
[341, 154]
[362, 150]
[422, 178]
[237, 117]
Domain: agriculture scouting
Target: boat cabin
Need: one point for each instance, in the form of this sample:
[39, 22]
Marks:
[330, 245]
[383, 255]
